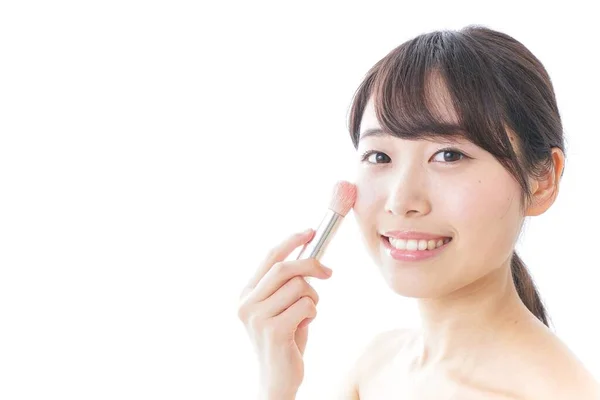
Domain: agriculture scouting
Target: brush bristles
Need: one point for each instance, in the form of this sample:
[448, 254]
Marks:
[343, 198]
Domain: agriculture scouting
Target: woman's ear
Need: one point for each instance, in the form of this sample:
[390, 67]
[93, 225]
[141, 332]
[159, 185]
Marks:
[545, 189]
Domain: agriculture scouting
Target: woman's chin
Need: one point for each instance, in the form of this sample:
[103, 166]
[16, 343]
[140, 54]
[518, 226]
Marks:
[409, 288]
[415, 285]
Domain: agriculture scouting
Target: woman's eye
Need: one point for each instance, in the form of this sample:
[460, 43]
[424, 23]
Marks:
[449, 156]
[444, 156]
[375, 157]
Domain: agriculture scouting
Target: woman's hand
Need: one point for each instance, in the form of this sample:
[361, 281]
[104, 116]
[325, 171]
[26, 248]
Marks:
[276, 307]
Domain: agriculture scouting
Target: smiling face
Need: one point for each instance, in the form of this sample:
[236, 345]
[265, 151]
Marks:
[415, 185]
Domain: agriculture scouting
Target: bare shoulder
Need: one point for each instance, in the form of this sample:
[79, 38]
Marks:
[375, 354]
[554, 372]
[567, 377]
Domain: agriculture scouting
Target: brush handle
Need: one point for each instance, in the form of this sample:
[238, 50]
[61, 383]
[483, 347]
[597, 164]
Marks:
[325, 232]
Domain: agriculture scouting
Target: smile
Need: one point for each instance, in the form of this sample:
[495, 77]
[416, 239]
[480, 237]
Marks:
[414, 250]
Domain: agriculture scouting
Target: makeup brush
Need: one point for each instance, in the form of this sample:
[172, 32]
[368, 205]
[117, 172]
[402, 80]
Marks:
[342, 200]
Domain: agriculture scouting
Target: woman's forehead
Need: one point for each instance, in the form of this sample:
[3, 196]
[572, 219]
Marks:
[438, 100]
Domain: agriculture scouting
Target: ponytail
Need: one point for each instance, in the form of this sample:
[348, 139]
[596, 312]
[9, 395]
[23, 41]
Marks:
[526, 288]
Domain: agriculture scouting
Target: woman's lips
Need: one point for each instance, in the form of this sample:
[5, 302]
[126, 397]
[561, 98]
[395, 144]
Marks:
[411, 255]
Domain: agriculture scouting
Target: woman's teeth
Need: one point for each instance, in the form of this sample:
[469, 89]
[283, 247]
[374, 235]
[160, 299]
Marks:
[417, 245]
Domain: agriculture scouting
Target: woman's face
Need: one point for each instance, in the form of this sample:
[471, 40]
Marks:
[413, 186]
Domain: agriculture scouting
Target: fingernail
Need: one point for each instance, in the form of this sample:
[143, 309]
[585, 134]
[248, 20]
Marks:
[306, 232]
[328, 271]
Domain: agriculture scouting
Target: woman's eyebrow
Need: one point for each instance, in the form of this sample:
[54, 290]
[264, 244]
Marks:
[456, 132]
[373, 132]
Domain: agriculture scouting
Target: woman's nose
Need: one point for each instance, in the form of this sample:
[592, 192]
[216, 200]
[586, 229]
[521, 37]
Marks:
[408, 195]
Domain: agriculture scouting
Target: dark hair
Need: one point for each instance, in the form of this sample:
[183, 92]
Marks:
[493, 82]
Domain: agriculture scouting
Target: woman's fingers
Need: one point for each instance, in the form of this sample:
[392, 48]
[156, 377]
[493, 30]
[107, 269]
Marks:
[282, 272]
[303, 309]
[277, 254]
[292, 291]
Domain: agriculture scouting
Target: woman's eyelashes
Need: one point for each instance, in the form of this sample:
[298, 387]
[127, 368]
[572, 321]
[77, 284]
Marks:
[449, 156]
[367, 154]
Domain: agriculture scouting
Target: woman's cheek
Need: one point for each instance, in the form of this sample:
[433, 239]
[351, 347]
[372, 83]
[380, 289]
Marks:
[456, 199]
[480, 206]
[365, 195]
[367, 204]
[365, 189]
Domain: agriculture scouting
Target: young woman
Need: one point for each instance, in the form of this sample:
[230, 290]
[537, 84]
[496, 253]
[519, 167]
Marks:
[459, 139]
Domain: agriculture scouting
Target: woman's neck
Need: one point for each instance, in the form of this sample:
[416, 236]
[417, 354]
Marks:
[470, 322]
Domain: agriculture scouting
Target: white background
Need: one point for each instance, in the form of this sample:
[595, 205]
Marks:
[151, 153]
